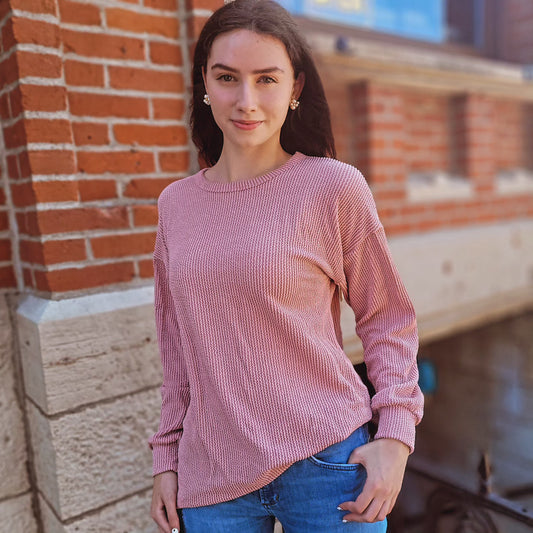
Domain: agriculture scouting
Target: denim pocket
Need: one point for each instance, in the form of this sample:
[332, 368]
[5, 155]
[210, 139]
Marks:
[335, 457]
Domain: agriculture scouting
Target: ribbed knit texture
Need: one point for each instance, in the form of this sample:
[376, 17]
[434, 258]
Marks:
[247, 281]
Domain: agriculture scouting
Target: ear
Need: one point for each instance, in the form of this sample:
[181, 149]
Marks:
[299, 85]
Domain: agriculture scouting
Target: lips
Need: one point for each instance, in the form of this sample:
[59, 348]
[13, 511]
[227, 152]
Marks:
[247, 124]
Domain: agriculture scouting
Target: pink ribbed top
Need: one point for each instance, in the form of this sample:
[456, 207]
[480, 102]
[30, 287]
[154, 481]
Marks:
[247, 282]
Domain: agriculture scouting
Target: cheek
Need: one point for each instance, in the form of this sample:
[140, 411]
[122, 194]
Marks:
[278, 103]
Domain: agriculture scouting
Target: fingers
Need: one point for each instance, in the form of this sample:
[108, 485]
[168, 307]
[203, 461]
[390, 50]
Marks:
[165, 515]
[159, 515]
[375, 512]
[164, 505]
[372, 505]
[172, 514]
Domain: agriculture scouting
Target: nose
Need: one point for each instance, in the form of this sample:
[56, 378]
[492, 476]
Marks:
[246, 98]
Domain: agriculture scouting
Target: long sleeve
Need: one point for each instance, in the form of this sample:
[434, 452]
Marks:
[175, 395]
[385, 317]
[386, 325]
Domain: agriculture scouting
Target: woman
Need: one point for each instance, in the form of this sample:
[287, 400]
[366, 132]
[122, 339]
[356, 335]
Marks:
[263, 415]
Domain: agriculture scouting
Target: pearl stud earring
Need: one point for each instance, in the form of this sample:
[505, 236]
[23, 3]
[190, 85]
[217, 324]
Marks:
[207, 101]
[294, 103]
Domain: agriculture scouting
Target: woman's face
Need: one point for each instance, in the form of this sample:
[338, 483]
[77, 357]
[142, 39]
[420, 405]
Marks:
[250, 82]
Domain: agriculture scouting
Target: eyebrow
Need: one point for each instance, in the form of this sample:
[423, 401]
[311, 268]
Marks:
[259, 71]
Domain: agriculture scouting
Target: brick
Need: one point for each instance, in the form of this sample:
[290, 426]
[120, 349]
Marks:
[142, 23]
[27, 194]
[83, 73]
[31, 252]
[165, 54]
[38, 65]
[115, 162]
[56, 191]
[86, 133]
[27, 274]
[5, 8]
[15, 135]
[102, 45]
[2, 195]
[123, 245]
[4, 221]
[91, 190]
[77, 219]
[53, 252]
[168, 108]
[45, 7]
[145, 215]
[5, 250]
[22, 195]
[4, 105]
[24, 164]
[170, 5]
[174, 161]
[9, 71]
[145, 79]
[70, 279]
[8, 38]
[52, 162]
[146, 268]
[7, 277]
[78, 13]
[203, 4]
[49, 131]
[38, 98]
[100, 105]
[28, 223]
[30, 31]
[146, 187]
[148, 135]
[12, 167]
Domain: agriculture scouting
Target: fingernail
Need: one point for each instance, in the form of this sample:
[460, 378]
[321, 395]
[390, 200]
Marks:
[175, 530]
[344, 521]
[339, 508]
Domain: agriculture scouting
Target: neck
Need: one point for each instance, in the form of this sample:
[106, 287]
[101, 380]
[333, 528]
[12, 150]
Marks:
[235, 165]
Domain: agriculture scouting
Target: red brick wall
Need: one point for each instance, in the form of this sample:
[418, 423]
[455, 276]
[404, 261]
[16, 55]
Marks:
[397, 131]
[92, 107]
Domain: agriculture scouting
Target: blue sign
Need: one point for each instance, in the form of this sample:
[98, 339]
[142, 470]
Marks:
[416, 19]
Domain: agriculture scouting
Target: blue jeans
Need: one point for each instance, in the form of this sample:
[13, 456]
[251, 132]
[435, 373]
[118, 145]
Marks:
[303, 498]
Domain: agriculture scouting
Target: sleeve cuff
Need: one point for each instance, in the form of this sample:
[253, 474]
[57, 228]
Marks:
[165, 458]
[397, 423]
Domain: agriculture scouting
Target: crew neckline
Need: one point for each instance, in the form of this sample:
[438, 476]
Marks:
[239, 185]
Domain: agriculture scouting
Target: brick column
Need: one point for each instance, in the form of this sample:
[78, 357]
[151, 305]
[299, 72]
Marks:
[474, 135]
[93, 116]
[379, 139]
[528, 135]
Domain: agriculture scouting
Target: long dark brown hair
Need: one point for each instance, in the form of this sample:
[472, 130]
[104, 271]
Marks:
[308, 128]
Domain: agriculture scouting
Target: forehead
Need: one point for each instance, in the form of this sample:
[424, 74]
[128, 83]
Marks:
[247, 49]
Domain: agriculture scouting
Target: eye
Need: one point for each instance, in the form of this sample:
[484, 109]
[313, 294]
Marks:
[268, 79]
[225, 77]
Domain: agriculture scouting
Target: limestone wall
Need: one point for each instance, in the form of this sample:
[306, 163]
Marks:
[91, 375]
[16, 513]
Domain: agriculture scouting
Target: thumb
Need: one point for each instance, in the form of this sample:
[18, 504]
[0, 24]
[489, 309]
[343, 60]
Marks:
[358, 455]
